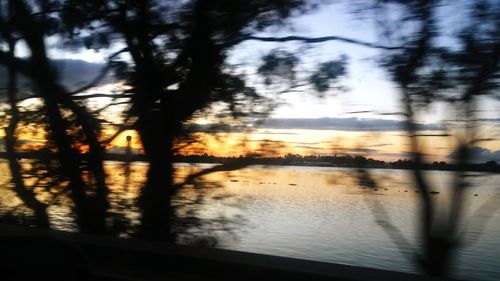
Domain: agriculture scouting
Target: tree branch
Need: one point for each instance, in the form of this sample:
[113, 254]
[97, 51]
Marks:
[101, 75]
[235, 165]
[316, 40]
[83, 97]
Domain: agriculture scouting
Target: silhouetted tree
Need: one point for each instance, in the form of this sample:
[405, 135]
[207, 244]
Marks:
[22, 21]
[26, 195]
[177, 69]
[456, 73]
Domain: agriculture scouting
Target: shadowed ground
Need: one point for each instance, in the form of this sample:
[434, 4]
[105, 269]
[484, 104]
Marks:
[33, 254]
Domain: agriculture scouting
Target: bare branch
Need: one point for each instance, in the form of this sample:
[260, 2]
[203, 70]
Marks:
[317, 40]
[97, 111]
[82, 97]
[236, 165]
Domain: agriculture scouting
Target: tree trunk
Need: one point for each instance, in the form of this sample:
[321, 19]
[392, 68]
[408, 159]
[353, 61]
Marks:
[26, 195]
[155, 198]
[91, 212]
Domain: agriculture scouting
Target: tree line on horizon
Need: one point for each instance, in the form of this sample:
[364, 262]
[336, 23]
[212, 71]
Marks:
[336, 160]
[342, 160]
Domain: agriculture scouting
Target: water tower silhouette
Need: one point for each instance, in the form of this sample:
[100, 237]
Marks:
[129, 144]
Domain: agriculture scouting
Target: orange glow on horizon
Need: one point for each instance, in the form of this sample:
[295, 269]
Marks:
[387, 146]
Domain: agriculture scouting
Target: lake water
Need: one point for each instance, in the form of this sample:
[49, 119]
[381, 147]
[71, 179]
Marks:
[315, 213]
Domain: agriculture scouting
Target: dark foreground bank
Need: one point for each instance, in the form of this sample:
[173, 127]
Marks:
[28, 253]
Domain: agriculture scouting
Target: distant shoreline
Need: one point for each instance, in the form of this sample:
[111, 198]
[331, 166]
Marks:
[344, 161]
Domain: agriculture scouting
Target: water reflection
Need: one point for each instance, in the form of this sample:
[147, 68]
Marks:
[306, 212]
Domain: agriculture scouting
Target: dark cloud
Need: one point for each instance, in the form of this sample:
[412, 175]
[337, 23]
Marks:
[490, 120]
[379, 145]
[307, 143]
[359, 111]
[213, 128]
[363, 150]
[310, 147]
[72, 73]
[341, 124]
[77, 73]
[357, 150]
[274, 133]
[400, 155]
[478, 155]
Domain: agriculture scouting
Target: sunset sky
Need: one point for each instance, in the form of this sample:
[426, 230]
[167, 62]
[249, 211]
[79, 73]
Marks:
[358, 121]
[361, 120]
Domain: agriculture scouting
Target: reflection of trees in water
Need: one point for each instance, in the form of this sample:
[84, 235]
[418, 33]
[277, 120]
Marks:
[192, 222]
[197, 187]
[469, 232]
[121, 220]
[42, 177]
[371, 184]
